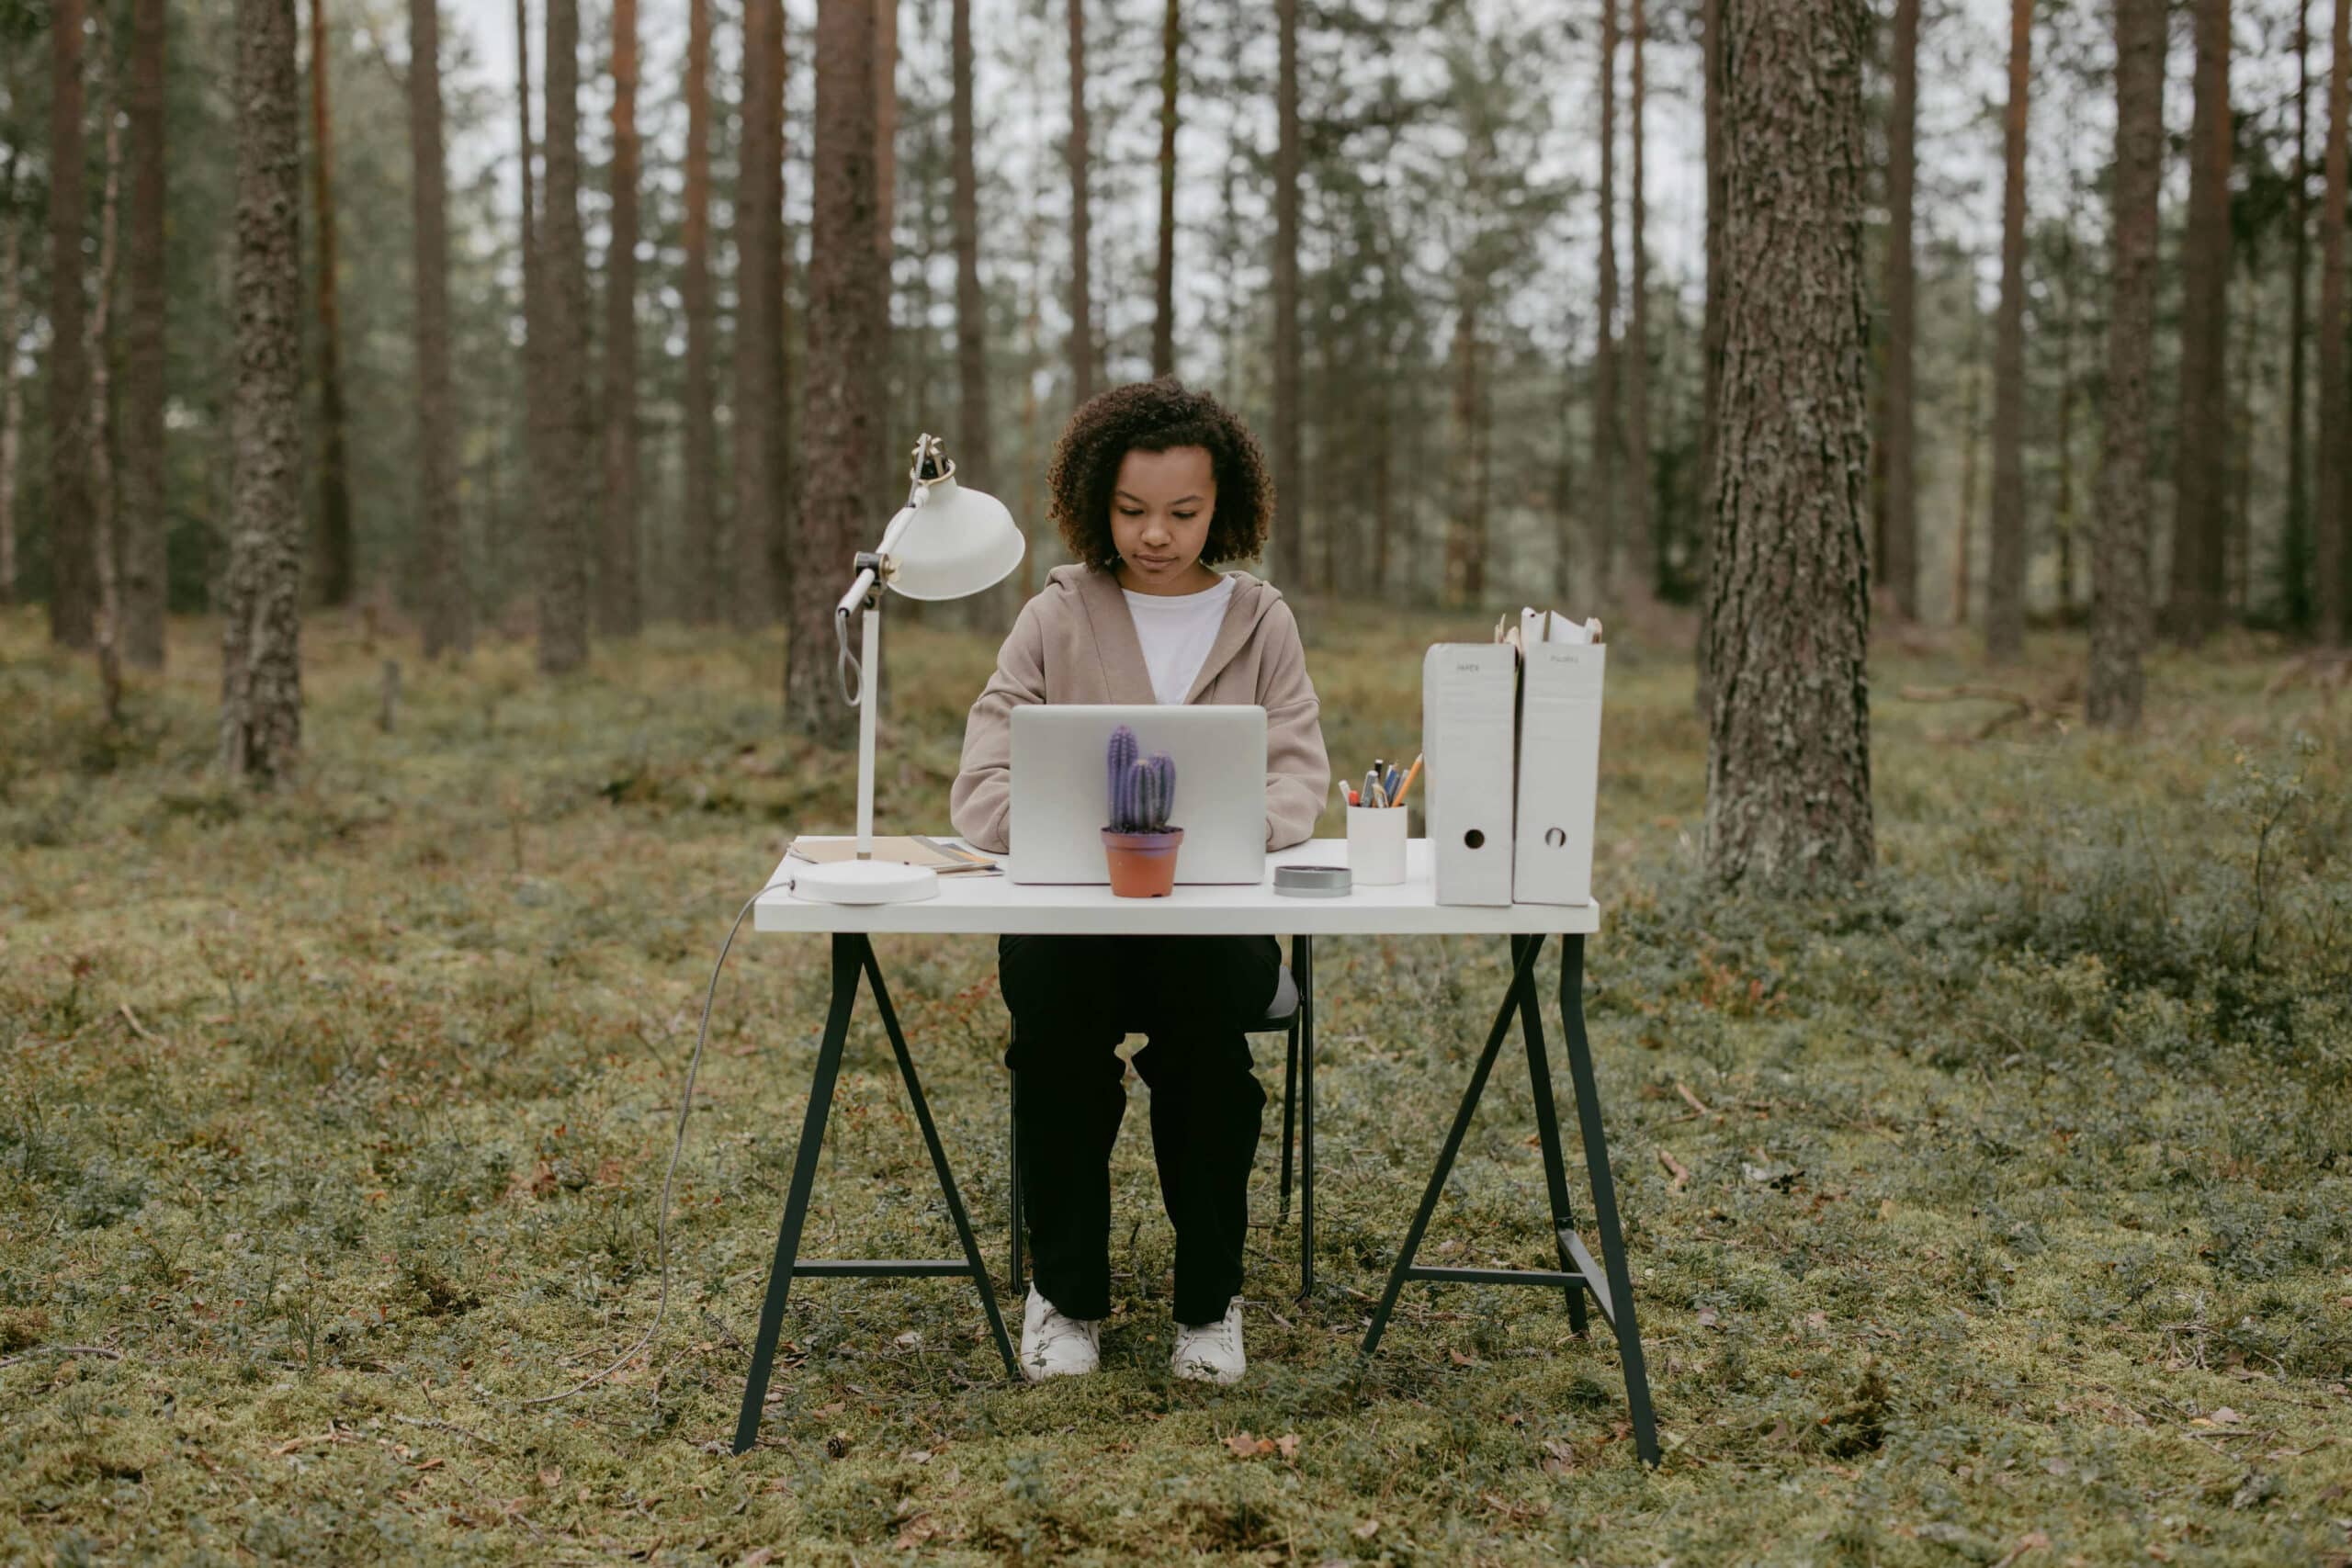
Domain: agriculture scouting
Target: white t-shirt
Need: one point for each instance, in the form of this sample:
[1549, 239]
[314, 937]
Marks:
[1176, 631]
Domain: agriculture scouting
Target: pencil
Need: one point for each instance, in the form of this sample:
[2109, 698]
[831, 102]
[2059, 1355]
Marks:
[1409, 777]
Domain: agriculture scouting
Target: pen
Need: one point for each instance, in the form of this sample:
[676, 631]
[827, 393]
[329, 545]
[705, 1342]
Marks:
[1371, 788]
[1402, 790]
[1388, 782]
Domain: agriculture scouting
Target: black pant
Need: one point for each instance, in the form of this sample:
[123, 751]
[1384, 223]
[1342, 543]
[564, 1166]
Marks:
[1072, 999]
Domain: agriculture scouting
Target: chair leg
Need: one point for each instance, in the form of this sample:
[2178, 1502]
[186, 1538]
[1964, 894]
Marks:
[1290, 1114]
[1013, 1147]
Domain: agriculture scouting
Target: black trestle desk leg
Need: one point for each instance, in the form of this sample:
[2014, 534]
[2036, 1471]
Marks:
[846, 952]
[1604, 1201]
[939, 1162]
[1548, 1130]
[1524, 963]
[1290, 1092]
[1302, 962]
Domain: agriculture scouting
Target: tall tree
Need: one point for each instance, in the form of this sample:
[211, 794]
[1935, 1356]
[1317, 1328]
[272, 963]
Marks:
[261, 668]
[1081, 298]
[1898, 509]
[1465, 524]
[1788, 621]
[2332, 527]
[1640, 568]
[145, 526]
[572, 418]
[449, 621]
[1606, 432]
[543, 506]
[848, 325]
[1163, 318]
[2295, 580]
[702, 574]
[12, 384]
[2201, 444]
[337, 542]
[1711, 335]
[886, 133]
[1290, 509]
[2120, 618]
[763, 500]
[2005, 577]
[104, 498]
[973, 452]
[619, 601]
[73, 589]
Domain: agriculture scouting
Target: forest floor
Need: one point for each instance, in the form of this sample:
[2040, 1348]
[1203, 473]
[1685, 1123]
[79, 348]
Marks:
[1996, 1211]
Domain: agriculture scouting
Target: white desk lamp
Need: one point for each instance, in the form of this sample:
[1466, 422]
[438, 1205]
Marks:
[946, 543]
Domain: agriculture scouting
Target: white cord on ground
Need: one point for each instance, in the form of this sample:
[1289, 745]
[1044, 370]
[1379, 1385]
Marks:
[669, 1180]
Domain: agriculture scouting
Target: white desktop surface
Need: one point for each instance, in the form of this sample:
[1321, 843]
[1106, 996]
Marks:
[970, 902]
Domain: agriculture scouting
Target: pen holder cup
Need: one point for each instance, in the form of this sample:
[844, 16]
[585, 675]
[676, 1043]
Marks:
[1376, 845]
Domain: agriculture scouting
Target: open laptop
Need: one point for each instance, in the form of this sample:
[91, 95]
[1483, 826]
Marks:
[1062, 791]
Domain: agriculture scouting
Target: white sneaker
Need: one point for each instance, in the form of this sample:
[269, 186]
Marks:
[1054, 1345]
[1211, 1352]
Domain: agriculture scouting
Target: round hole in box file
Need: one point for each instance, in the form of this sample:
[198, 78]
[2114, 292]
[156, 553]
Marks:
[1474, 838]
[1554, 838]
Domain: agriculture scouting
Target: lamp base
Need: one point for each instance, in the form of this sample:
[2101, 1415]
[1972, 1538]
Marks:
[865, 882]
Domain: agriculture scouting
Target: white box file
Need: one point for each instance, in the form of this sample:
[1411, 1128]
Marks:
[1469, 696]
[1559, 771]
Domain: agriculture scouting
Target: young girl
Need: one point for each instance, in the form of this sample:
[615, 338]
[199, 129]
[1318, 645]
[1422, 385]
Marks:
[1153, 485]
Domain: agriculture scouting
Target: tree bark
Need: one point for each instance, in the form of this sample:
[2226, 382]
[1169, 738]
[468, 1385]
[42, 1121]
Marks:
[104, 497]
[1602, 577]
[763, 498]
[1163, 320]
[975, 452]
[703, 571]
[572, 418]
[12, 385]
[1898, 553]
[2004, 575]
[2332, 527]
[1641, 565]
[1788, 764]
[73, 589]
[2295, 580]
[619, 598]
[145, 521]
[2120, 618]
[2202, 441]
[1972, 434]
[1466, 530]
[338, 547]
[1710, 337]
[448, 618]
[261, 672]
[540, 507]
[1290, 503]
[1081, 298]
[847, 327]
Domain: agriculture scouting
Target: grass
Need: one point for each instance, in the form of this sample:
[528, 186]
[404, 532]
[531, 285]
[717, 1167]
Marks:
[1998, 1212]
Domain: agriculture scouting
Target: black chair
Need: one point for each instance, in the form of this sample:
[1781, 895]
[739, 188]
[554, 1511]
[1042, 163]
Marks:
[1292, 1012]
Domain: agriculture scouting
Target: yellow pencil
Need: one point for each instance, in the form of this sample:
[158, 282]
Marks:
[1402, 789]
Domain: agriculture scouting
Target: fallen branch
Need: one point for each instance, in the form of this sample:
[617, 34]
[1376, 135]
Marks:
[2324, 669]
[137, 1028]
[1675, 1168]
[2022, 705]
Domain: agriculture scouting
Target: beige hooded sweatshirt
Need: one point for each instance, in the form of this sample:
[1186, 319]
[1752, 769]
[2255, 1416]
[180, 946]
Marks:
[1075, 642]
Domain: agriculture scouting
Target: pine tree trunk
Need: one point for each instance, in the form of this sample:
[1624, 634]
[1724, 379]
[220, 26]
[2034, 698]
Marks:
[1081, 298]
[1163, 320]
[1711, 339]
[763, 498]
[572, 418]
[448, 618]
[105, 499]
[1641, 565]
[2067, 524]
[1788, 763]
[2202, 443]
[1972, 440]
[2120, 615]
[2005, 576]
[1465, 530]
[886, 135]
[1601, 577]
[848, 324]
[338, 546]
[261, 671]
[619, 598]
[702, 573]
[544, 484]
[975, 450]
[2294, 563]
[1290, 502]
[145, 526]
[1898, 555]
[73, 589]
[2332, 526]
[12, 392]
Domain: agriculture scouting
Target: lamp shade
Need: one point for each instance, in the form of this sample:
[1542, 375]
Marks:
[960, 542]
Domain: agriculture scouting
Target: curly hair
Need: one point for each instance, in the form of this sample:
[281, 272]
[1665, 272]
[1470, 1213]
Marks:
[1158, 416]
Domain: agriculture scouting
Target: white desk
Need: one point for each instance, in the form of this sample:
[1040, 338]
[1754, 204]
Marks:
[972, 903]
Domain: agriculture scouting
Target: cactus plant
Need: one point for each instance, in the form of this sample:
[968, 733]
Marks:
[1143, 789]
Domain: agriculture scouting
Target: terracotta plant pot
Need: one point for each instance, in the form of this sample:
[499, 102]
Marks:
[1143, 865]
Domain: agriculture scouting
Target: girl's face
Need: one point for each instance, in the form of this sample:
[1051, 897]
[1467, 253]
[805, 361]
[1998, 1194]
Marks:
[1161, 507]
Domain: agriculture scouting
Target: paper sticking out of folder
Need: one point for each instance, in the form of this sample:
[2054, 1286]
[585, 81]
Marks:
[1538, 626]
